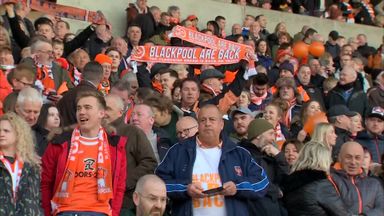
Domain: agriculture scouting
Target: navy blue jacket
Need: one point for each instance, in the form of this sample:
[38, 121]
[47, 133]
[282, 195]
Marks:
[177, 167]
[374, 144]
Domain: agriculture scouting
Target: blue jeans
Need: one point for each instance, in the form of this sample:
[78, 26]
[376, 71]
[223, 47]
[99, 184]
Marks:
[76, 213]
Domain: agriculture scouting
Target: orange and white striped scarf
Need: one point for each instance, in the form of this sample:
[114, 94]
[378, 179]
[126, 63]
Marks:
[104, 169]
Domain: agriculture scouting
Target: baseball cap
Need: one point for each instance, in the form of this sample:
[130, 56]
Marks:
[243, 110]
[377, 112]
[210, 73]
[338, 110]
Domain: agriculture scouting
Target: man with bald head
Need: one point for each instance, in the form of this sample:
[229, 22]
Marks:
[349, 92]
[194, 166]
[363, 195]
[140, 157]
[150, 196]
[186, 127]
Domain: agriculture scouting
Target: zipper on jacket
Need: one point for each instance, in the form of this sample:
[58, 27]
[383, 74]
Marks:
[358, 196]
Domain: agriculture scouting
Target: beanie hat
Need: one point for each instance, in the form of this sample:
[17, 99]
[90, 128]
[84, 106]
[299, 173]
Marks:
[258, 127]
[101, 59]
[286, 65]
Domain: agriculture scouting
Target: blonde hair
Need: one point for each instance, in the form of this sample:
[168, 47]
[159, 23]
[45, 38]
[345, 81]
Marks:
[320, 133]
[7, 37]
[313, 156]
[25, 147]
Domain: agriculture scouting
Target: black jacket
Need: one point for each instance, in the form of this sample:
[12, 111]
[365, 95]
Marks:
[358, 101]
[23, 40]
[28, 193]
[343, 136]
[147, 24]
[277, 169]
[41, 141]
[309, 192]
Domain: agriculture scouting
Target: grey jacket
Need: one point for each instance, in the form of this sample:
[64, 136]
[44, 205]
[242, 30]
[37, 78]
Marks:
[361, 194]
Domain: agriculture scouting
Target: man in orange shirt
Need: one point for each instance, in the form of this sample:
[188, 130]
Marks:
[84, 171]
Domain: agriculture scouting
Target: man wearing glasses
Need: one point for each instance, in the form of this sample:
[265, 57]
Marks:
[186, 127]
[150, 197]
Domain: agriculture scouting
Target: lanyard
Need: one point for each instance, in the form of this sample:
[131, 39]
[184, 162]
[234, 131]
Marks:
[14, 170]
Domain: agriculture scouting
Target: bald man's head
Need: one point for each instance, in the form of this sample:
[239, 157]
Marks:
[347, 75]
[150, 196]
[351, 158]
[186, 127]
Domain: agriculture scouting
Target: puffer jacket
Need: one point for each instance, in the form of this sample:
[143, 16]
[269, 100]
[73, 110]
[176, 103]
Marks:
[361, 194]
[28, 193]
[309, 192]
[374, 144]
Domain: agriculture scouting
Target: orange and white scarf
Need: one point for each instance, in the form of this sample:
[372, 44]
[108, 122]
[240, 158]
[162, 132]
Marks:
[45, 76]
[14, 170]
[255, 99]
[104, 169]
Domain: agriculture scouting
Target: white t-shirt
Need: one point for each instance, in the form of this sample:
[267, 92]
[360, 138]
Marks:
[206, 172]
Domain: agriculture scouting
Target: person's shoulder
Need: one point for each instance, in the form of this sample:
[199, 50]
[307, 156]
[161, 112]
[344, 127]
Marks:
[115, 140]
[62, 138]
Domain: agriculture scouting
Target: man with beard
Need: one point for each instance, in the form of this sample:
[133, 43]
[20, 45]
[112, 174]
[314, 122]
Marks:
[241, 118]
[261, 145]
[150, 197]
[260, 96]
[348, 92]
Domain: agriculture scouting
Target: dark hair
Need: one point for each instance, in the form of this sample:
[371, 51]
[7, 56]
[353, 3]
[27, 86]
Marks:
[268, 52]
[260, 79]
[258, 17]
[144, 92]
[43, 117]
[66, 23]
[218, 18]
[92, 93]
[109, 49]
[42, 21]
[190, 79]
[171, 72]
[165, 14]
[216, 27]
[298, 144]
[93, 72]
[162, 103]
[309, 32]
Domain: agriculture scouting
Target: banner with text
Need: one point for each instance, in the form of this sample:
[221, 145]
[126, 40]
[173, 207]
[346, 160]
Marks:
[187, 55]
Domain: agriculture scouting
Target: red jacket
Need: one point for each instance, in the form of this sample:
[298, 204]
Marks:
[53, 167]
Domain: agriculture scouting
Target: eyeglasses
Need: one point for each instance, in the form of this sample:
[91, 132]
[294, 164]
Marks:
[48, 52]
[185, 131]
[155, 199]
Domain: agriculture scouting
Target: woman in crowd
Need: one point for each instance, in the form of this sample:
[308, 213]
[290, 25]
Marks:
[273, 114]
[356, 125]
[244, 100]
[49, 117]
[19, 168]
[264, 54]
[307, 190]
[291, 149]
[324, 133]
[308, 109]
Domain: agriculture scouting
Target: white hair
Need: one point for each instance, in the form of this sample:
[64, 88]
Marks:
[117, 100]
[29, 94]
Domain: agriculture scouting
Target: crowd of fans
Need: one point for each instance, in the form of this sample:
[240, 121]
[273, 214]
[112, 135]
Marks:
[86, 131]
[367, 12]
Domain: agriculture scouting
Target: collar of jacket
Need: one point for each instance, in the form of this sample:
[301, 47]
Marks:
[345, 175]
[227, 146]
[301, 178]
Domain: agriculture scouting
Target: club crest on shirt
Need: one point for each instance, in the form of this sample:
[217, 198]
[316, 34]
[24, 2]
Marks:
[89, 164]
[238, 171]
